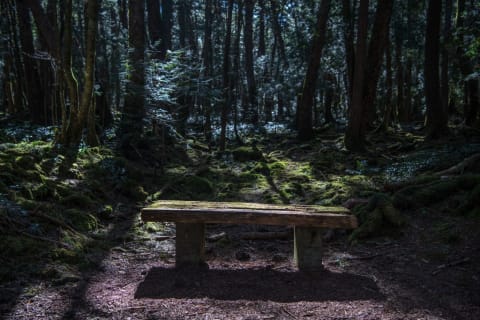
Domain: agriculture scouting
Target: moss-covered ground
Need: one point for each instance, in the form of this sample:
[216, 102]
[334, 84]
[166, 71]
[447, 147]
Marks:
[57, 209]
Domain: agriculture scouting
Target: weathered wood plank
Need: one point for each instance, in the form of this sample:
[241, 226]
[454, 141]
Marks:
[325, 219]
[181, 204]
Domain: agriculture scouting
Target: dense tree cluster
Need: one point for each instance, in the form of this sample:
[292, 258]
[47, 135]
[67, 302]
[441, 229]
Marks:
[217, 67]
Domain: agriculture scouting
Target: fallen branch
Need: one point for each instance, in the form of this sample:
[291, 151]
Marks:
[449, 265]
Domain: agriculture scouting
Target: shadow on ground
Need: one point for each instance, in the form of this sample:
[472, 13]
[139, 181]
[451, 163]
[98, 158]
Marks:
[256, 284]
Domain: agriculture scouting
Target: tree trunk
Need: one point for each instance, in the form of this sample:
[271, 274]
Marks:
[348, 34]
[208, 65]
[154, 27]
[167, 25]
[355, 134]
[436, 115]
[445, 88]
[227, 88]
[277, 31]
[376, 50]
[251, 112]
[34, 94]
[134, 110]
[305, 101]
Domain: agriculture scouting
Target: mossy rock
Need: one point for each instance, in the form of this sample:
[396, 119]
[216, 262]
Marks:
[196, 184]
[81, 220]
[132, 190]
[77, 199]
[378, 218]
[246, 153]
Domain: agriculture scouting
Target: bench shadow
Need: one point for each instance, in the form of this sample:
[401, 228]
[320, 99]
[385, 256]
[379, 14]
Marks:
[256, 284]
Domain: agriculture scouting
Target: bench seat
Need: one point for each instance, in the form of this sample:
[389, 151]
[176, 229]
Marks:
[191, 216]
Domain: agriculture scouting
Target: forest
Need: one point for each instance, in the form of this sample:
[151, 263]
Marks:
[109, 106]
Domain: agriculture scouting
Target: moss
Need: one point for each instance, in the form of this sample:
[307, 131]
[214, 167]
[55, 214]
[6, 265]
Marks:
[153, 227]
[105, 212]
[433, 192]
[68, 256]
[199, 184]
[292, 189]
[27, 204]
[131, 189]
[246, 153]
[278, 167]
[378, 218]
[77, 199]
[81, 220]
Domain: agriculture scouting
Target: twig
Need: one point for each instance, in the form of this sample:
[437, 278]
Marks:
[451, 264]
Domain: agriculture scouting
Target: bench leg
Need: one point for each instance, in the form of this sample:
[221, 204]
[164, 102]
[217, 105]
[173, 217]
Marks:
[190, 244]
[308, 248]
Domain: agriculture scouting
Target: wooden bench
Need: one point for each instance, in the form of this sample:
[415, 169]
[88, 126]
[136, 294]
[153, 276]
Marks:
[191, 216]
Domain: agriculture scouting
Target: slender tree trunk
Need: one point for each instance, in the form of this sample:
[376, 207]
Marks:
[134, 110]
[208, 65]
[355, 134]
[87, 106]
[306, 99]
[387, 116]
[154, 27]
[167, 25]
[436, 114]
[34, 94]
[376, 50]
[277, 31]
[445, 88]
[227, 81]
[252, 110]
[401, 114]
[348, 34]
[471, 91]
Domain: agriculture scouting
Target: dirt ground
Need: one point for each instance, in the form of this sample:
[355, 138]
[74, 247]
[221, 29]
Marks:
[412, 277]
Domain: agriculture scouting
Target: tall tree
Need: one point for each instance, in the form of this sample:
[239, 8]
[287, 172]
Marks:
[376, 49]
[34, 95]
[307, 96]
[436, 113]
[227, 78]
[207, 69]
[154, 27]
[355, 134]
[348, 35]
[134, 109]
[251, 111]
[445, 88]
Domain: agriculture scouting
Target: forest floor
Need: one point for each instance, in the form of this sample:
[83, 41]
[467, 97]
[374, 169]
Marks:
[415, 256]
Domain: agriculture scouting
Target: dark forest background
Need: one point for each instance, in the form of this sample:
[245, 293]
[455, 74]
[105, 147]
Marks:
[109, 105]
[222, 68]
